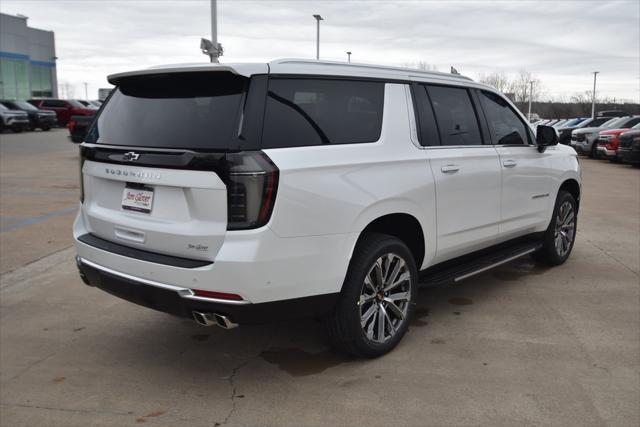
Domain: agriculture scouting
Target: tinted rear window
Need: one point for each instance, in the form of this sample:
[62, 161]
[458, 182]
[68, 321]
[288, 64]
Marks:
[197, 111]
[302, 112]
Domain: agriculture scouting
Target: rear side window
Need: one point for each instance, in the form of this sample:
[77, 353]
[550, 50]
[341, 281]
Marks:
[505, 126]
[198, 111]
[303, 112]
[54, 103]
[631, 122]
[455, 115]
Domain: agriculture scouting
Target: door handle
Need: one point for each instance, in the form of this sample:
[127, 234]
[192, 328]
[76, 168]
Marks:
[509, 163]
[450, 168]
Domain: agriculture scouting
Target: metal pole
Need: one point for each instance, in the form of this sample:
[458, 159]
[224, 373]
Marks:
[86, 96]
[348, 56]
[214, 31]
[318, 19]
[593, 100]
[530, 98]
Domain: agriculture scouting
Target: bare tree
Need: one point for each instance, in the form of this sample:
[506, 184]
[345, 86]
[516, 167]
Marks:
[420, 65]
[498, 80]
[521, 85]
[67, 90]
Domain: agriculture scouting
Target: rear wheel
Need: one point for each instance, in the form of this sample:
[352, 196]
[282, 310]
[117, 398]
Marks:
[378, 297]
[561, 234]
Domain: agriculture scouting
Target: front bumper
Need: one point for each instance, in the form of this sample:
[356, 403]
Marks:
[181, 301]
[603, 151]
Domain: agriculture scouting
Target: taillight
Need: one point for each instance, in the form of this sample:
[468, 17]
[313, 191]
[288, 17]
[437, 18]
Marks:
[217, 295]
[72, 125]
[252, 183]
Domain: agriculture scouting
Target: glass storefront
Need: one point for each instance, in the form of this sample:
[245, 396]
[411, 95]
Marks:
[21, 79]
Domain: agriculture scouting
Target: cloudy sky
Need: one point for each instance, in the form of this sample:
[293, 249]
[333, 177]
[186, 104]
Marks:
[560, 42]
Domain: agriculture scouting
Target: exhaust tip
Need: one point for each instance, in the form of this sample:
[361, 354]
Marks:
[211, 319]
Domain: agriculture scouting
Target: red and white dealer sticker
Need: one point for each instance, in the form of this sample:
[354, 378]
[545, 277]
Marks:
[137, 199]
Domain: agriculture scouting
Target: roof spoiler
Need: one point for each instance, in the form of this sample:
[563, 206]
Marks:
[245, 70]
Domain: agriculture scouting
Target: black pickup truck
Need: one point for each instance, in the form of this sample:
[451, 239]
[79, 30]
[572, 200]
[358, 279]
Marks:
[78, 127]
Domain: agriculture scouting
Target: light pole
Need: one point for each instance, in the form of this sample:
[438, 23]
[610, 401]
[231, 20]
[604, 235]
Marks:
[212, 47]
[593, 99]
[530, 98]
[348, 56]
[86, 96]
[318, 19]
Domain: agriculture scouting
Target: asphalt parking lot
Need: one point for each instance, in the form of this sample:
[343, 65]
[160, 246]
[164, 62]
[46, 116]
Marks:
[519, 345]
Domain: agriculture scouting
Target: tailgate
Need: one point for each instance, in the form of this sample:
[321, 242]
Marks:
[181, 213]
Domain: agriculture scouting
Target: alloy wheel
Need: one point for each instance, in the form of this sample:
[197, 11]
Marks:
[385, 298]
[565, 228]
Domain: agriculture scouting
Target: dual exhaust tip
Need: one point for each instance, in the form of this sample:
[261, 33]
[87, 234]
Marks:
[211, 319]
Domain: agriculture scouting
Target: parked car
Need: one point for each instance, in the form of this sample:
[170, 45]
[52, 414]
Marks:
[64, 108]
[311, 189]
[564, 132]
[96, 103]
[42, 119]
[15, 120]
[611, 113]
[629, 147]
[608, 141]
[78, 127]
[583, 140]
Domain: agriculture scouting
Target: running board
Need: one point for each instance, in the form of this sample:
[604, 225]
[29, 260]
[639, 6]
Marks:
[454, 271]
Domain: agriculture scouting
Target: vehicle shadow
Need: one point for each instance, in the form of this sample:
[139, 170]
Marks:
[300, 347]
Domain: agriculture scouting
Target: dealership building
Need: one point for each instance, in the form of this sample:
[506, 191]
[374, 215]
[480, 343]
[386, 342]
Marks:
[27, 60]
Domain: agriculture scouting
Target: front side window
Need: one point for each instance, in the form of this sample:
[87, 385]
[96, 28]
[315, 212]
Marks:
[504, 124]
[455, 116]
[304, 112]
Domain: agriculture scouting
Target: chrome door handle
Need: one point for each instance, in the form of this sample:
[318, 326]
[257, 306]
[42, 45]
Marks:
[509, 163]
[450, 168]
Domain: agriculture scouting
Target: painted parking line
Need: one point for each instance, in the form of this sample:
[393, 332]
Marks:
[37, 219]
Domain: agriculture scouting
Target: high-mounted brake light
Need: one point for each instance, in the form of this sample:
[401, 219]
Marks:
[252, 184]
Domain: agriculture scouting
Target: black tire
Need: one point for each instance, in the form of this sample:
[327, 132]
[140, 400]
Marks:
[551, 253]
[16, 129]
[46, 128]
[344, 323]
[594, 150]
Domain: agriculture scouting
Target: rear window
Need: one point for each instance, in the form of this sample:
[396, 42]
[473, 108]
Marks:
[303, 112]
[198, 111]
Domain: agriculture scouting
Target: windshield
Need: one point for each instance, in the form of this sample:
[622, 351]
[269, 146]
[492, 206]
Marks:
[75, 103]
[23, 105]
[615, 123]
[181, 110]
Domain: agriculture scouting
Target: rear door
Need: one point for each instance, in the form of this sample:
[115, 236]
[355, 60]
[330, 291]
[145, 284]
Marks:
[526, 173]
[156, 159]
[466, 171]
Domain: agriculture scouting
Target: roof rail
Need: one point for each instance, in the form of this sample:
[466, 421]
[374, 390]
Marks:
[412, 71]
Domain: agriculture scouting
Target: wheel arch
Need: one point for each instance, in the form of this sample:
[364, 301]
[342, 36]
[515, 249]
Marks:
[403, 226]
[571, 186]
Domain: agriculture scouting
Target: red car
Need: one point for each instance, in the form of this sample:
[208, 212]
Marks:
[608, 141]
[64, 108]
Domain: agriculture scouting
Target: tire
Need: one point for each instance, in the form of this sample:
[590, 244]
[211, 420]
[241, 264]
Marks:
[16, 129]
[46, 128]
[594, 150]
[561, 234]
[347, 329]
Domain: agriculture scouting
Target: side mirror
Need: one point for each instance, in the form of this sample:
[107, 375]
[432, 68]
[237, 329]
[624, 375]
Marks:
[545, 137]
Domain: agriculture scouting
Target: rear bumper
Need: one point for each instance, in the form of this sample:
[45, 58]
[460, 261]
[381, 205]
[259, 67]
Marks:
[258, 265]
[181, 301]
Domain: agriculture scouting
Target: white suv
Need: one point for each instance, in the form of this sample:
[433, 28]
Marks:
[242, 193]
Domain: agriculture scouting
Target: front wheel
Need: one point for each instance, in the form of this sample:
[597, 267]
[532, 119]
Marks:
[561, 233]
[377, 299]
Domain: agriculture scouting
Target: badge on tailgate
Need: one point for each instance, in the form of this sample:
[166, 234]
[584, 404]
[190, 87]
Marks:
[137, 198]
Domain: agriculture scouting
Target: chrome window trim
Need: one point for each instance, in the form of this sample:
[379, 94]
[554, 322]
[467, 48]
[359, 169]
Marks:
[185, 293]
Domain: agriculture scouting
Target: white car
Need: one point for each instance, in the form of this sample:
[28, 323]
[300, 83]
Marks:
[243, 193]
